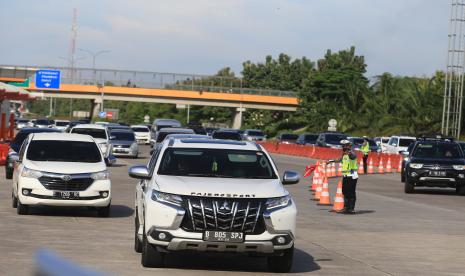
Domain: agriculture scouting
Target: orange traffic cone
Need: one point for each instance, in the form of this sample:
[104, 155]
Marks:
[324, 196]
[388, 165]
[328, 170]
[370, 166]
[316, 175]
[319, 188]
[338, 199]
[339, 170]
[399, 167]
[360, 167]
[333, 170]
[380, 167]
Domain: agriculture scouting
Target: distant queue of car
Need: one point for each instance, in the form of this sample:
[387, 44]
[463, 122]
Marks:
[393, 144]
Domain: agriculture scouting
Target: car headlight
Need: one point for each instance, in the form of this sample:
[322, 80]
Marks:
[103, 147]
[278, 202]
[30, 173]
[458, 167]
[165, 197]
[103, 175]
[416, 165]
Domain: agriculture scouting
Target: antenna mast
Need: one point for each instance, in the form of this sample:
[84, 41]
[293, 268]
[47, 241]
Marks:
[72, 46]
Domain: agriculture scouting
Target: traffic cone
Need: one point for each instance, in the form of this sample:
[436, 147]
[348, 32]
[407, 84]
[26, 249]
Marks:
[316, 175]
[360, 167]
[333, 170]
[380, 166]
[388, 165]
[328, 170]
[318, 190]
[339, 170]
[399, 167]
[324, 196]
[338, 199]
[370, 166]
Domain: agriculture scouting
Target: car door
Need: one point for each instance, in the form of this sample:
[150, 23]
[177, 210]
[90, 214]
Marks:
[392, 145]
[17, 166]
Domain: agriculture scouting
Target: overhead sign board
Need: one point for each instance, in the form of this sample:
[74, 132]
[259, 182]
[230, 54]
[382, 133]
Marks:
[48, 79]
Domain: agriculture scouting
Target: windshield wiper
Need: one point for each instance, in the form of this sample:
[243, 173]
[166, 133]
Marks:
[209, 175]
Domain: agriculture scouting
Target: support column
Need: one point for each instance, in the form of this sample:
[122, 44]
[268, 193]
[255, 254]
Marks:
[237, 120]
[94, 107]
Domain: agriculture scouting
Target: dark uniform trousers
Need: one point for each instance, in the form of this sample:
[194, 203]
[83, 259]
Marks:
[348, 190]
[365, 163]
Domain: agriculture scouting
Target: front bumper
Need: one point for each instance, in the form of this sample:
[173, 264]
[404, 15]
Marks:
[161, 218]
[143, 140]
[424, 177]
[125, 152]
[39, 195]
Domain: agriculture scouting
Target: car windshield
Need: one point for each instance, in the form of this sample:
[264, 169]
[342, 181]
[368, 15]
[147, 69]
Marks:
[437, 150]
[357, 141]
[94, 132]
[311, 138]
[372, 143]
[61, 123]
[216, 163]
[123, 136]
[227, 135]
[385, 140]
[63, 151]
[255, 133]
[335, 138]
[23, 120]
[19, 138]
[405, 142]
[140, 129]
[289, 136]
[42, 122]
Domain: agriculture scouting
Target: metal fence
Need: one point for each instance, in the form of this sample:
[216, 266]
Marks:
[144, 79]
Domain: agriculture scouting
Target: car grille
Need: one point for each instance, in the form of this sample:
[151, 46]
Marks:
[437, 167]
[122, 146]
[241, 215]
[74, 184]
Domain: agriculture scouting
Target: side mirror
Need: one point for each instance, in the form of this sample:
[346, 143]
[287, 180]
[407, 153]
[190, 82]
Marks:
[112, 137]
[110, 160]
[291, 177]
[14, 157]
[152, 151]
[404, 152]
[139, 172]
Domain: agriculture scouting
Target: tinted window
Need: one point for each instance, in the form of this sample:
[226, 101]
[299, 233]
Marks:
[125, 136]
[311, 138]
[393, 141]
[357, 141]
[61, 123]
[94, 132]
[23, 120]
[42, 122]
[255, 133]
[385, 140]
[227, 135]
[63, 151]
[289, 137]
[140, 129]
[437, 150]
[335, 138]
[372, 143]
[216, 163]
[405, 142]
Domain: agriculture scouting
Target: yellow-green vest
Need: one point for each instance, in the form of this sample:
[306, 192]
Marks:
[365, 148]
[348, 165]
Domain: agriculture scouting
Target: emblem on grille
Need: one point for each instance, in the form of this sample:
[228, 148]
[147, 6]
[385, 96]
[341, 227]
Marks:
[436, 167]
[225, 206]
[66, 177]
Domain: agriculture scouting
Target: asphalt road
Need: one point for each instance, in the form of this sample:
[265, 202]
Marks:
[392, 234]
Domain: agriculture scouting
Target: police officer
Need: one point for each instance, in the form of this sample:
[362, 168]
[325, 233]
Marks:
[365, 150]
[349, 176]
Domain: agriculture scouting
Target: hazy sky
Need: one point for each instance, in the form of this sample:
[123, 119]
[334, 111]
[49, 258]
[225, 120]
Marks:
[404, 37]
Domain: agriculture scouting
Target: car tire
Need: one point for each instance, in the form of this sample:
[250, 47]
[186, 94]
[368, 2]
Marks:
[14, 200]
[22, 209]
[137, 242]
[409, 188]
[104, 212]
[8, 172]
[402, 175]
[460, 190]
[150, 256]
[283, 263]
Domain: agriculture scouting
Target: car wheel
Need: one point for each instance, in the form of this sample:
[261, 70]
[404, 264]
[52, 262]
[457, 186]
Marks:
[22, 209]
[283, 263]
[8, 172]
[460, 190]
[104, 212]
[14, 200]
[409, 188]
[402, 176]
[150, 256]
[137, 242]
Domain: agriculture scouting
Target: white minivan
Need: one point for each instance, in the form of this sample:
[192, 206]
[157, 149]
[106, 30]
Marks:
[60, 169]
[397, 144]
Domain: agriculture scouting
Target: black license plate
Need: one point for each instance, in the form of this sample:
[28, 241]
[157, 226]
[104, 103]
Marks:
[437, 173]
[222, 236]
[120, 150]
[66, 195]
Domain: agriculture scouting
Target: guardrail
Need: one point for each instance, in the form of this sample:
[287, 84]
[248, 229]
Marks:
[144, 79]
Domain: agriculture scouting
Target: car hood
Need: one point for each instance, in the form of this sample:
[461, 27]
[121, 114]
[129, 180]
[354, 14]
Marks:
[439, 161]
[100, 140]
[122, 142]
[65, 167]
[220, 187]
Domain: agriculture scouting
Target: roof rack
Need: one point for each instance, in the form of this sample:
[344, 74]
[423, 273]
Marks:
[435, 136]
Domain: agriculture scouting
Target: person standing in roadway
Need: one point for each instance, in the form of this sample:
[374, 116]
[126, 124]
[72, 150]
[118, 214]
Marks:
[349, 176]
[365, 150]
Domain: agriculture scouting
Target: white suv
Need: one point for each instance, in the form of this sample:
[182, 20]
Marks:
[397, 144]
[60, 169]
[101, 136]
[216, 196]
[142, 134]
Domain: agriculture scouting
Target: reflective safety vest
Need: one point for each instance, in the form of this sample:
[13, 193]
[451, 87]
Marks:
[365, 148]
[348, 165]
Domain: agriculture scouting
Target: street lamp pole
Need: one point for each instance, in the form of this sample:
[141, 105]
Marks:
[94, 56]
